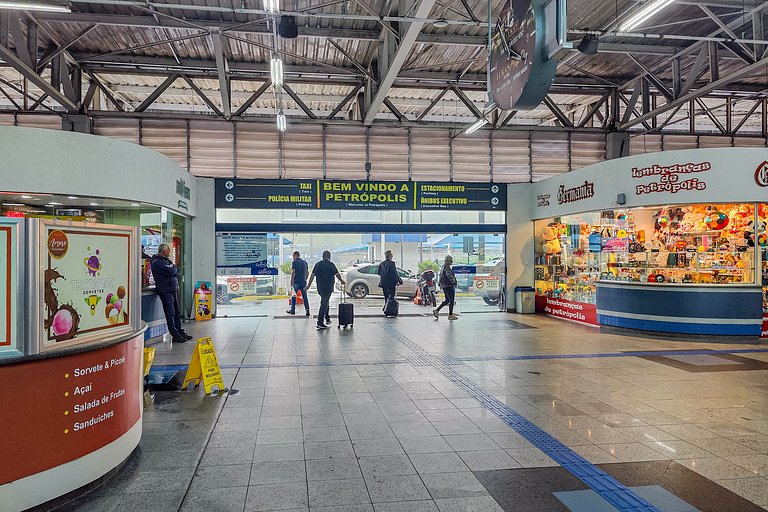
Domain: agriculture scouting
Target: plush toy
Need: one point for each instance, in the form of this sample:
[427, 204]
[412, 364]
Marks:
[749, 232]
[538, 244]
[551, 241]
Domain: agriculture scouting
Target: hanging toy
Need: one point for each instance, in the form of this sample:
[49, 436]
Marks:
[622, 215]
[663, 221]
[716, 220]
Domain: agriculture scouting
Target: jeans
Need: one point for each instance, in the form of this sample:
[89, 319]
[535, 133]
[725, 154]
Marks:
[300, 287]
[325, 307]
[450, 299]
[172, 312]
[389, 293]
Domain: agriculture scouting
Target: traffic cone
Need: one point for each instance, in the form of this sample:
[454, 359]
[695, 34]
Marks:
[299, 298]
[417, 297]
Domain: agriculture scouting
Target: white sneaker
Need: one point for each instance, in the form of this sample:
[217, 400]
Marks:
[436, 313]
[453, 317]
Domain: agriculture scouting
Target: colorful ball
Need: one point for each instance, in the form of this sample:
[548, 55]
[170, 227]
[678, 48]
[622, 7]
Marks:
[762, 239]
[62, 322]
[664, 221]
[716, 220]
[622, 233]
[119, 305]
[621, 216]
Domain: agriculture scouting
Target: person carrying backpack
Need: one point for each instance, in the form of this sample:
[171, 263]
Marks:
[448, 284]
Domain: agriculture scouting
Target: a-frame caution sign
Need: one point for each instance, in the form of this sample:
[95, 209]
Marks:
[205, 366]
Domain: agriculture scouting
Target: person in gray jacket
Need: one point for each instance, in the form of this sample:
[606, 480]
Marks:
[448, 284]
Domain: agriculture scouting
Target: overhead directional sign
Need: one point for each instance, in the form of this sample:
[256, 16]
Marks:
[350, 195]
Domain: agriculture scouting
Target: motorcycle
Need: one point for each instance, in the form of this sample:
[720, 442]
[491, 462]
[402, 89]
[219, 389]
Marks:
[428, 288]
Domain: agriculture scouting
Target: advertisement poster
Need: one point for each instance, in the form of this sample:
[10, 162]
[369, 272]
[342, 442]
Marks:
[241, 254]
[86, 282]
[203, 301]
[6, 280]
[764, 332]
[66, 407]
[579, 312]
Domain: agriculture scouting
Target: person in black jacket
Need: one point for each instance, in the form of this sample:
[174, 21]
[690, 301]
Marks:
[166, 284]
[448, 284]
[389, 280]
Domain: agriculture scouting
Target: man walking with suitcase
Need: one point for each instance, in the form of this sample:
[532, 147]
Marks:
[389, 280]
[299, 270]
[325, 271]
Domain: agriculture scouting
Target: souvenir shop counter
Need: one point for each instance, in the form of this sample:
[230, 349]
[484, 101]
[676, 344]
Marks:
[681, 308]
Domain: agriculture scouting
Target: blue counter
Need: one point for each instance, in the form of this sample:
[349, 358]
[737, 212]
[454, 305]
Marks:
[694, 309]
[152, 314]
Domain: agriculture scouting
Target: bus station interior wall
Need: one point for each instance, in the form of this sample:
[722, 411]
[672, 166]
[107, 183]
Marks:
[47, 161]
[203, 233]
[520, 250]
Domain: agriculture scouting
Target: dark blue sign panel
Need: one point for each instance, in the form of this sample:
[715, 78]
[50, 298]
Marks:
[271, 194]
[464, 269]
[351, 195]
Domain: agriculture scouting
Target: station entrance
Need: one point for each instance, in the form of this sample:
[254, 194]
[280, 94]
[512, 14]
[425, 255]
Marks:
[257, 235]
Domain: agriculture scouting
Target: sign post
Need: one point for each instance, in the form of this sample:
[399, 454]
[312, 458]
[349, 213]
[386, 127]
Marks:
[204, 366]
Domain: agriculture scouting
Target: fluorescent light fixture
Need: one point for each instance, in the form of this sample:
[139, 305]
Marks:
[476, 126]
[94, 204]
[52, 203]
[281, 122]
[276, 71]
[650, 9]
[13, 204]
[33, 6]
[135, 204]
[72, 197]
[26, 197]
[272, 6]
[440, 23]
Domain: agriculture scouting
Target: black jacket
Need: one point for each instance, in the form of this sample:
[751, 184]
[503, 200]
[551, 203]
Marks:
[166, 274]
[388, 274]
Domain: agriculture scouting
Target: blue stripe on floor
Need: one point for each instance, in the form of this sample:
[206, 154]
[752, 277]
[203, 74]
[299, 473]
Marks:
[610, 489]
[459, 360]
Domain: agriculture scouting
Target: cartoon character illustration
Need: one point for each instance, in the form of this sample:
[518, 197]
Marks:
[92, 301]
[93, 263]
[63, 321]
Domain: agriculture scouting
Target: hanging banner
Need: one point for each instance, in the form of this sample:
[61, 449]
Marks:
[240, 254]
[204, 366]
[368, 195]
[203, 301]
[87, 278]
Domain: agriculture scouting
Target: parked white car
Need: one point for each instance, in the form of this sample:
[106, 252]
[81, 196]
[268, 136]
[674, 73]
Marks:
[363, 280]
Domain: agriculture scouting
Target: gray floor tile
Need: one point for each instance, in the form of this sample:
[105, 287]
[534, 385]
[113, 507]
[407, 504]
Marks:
[230, 499]
[453, 485]
[396, 488]
[161, 480]
[227, 455]
[388, 465]
[407, 506]
[262, 498]
[278, 452]
[279, 422]
[328, 449]
[485, 460]
[346, 508]
[325, 434]
[372, 447]
[210, 477]
[432, 444]
[448, 462]
[469, 442]
[333, 469]
[329, 493]
[280, 436]
[278, 472]
[468, 505]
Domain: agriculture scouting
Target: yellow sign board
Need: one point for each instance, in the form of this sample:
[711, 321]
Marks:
[204, 366]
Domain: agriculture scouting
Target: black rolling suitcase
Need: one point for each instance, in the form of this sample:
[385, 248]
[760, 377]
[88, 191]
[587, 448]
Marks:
[391, 308]
[346, 313]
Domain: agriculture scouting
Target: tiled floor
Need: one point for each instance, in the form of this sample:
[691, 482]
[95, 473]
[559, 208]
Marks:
[355, 420]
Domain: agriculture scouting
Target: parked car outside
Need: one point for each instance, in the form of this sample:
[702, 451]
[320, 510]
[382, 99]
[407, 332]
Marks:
[228, 288]
[486, 283]
[363, 280]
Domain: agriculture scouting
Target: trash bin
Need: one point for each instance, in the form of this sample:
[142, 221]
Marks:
[525, 299]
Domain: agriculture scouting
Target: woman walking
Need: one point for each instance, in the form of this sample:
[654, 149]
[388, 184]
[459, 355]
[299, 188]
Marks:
[448, 284]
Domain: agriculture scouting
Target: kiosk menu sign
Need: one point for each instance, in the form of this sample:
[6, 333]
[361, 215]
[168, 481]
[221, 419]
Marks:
[87, 275]
[359, 194]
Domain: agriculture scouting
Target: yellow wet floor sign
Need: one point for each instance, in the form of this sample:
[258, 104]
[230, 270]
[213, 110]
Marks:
[205, 366]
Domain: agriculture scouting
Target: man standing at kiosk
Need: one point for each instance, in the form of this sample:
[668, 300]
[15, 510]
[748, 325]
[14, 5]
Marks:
[166, 285]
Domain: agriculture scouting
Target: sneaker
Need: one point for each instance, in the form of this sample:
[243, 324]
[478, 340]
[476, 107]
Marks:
[308, 313]
[179, 339]
[328, 320]
[290, 312]
[453, 317]
[436, 313]
[321, 327]
[185, 335]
